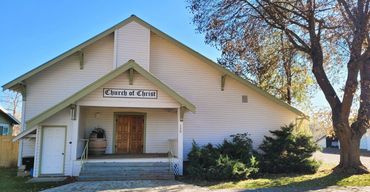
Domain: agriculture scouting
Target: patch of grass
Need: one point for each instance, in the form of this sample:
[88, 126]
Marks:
[323, 178]
[9, 182]
[356, 180]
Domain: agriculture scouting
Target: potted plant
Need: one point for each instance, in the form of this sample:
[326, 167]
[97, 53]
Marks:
[97, 142]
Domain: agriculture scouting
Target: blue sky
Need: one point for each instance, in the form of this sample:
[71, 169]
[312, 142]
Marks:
[33, 32]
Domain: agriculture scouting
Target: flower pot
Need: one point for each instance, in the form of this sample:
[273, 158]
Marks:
[97, 146]
[97, 142]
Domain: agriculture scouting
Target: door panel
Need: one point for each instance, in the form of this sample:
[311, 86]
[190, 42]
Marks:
[53, 145]
[129, 134]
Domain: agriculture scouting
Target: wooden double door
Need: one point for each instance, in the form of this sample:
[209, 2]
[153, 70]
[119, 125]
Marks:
[129, 136]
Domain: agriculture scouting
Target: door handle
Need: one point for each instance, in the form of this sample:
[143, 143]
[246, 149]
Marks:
[62, 153]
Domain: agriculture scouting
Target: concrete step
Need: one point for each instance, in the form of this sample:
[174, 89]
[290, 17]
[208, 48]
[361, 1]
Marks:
[102, 171]
[142, 173]
[125, 164]
[125, 171]
[119, 178]
[125, 168]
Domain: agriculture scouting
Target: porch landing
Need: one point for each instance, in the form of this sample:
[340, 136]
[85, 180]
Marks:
[129, 156]
[145, 157]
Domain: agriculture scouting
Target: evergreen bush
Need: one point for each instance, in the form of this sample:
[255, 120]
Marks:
[233, 159]
[287, 152]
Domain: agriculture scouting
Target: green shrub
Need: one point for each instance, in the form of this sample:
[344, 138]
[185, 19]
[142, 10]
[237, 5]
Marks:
[286, 152]
[233, 159]
[239, 147]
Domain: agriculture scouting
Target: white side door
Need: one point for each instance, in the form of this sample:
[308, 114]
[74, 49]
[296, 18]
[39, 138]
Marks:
[52, 151]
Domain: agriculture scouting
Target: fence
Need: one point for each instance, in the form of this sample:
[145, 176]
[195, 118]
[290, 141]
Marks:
[8, 151]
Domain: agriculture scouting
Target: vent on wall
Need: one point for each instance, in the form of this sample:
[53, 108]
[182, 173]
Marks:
[244, 99]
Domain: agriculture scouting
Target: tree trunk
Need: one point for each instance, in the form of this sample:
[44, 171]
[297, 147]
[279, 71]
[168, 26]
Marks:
[350, 154]
[350, 142]
[349, 136]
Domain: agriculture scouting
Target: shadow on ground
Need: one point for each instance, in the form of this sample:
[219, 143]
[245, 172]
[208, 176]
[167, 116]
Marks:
[307, 185]
[281, 183]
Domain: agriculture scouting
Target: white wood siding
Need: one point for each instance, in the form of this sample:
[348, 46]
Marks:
[139, 82]
[28, 149]
[133, 42]
[62, 118]
[61, 80]
[219, 113]
[37, 153]
[161, 125]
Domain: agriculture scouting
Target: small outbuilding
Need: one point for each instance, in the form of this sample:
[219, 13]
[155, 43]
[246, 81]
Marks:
[7, 122]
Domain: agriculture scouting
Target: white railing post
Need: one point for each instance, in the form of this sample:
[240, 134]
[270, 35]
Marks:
[23, 127]
[74, 133]
[74, 137]
[180, 137]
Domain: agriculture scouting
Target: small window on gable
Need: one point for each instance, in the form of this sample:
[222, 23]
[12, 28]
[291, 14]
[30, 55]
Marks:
[244, 99]
[4, 129]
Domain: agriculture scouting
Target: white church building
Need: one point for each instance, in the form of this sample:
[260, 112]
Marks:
[151, 94]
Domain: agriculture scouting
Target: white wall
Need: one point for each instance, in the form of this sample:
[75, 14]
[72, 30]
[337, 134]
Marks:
[62, 118]
[133, 42]
[219, 113]
[28, 149]
[96, 98]
[322, 143]
[161, 125]
[63, 79]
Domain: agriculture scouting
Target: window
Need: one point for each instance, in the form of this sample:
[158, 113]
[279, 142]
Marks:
[4, 129]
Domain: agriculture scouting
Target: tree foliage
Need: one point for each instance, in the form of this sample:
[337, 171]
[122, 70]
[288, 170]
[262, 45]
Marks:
[330, 34]
[268, 60]
[11, 101]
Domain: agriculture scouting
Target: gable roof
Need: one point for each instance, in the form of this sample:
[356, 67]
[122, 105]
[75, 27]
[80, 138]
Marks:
[103, 80]
[131, 64]
[9, 116]
[19, 81]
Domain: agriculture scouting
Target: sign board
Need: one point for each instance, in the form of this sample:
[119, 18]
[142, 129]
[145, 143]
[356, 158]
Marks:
[130, 93]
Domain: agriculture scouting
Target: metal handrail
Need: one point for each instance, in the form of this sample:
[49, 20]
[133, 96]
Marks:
[85, 152]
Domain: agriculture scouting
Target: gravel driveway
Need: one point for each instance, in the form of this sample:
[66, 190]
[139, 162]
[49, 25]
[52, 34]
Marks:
[331, 156]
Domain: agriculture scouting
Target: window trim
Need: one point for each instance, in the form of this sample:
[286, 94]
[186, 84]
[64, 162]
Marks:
[4, 126]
